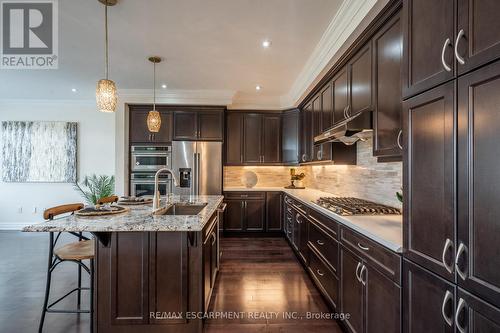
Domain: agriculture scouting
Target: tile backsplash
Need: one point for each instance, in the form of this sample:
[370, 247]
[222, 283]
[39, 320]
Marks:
[367, 180]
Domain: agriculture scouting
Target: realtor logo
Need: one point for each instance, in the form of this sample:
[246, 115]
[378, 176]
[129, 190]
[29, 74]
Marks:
[29, 38]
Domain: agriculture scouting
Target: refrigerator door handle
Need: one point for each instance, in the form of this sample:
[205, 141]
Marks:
[194, 176]
[198, 173]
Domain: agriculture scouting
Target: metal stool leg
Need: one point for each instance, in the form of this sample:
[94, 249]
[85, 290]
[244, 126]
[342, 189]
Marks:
[47, 286]
[91, 304]
[79, 292]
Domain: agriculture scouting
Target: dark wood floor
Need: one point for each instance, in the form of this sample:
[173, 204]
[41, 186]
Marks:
[257, 275]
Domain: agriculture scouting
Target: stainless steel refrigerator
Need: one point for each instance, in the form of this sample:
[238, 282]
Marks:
[201, 161]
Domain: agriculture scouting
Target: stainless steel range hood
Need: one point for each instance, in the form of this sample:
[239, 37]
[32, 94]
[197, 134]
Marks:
[348, 131]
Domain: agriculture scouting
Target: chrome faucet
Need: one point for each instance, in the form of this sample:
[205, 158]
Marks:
[156, 198]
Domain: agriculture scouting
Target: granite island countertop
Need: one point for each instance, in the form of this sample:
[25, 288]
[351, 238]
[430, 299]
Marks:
[138, 218]
[386, 230]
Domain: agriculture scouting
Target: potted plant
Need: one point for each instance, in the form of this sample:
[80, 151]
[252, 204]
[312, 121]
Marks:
[95, 187]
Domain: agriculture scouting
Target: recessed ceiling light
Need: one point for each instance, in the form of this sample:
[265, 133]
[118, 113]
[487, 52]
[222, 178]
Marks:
[73, 89]
[258, 87]
[164, 86]
[266, 43]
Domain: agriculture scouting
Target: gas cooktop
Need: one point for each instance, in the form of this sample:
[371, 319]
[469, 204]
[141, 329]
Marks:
[355, 206]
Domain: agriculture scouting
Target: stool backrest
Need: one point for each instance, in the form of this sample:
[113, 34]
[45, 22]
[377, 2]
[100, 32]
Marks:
[109, 199]
[51, 213]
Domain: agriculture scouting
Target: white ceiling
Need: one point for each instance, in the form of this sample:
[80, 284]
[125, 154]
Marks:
[212, 45]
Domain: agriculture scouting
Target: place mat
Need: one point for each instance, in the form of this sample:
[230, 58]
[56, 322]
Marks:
[92, 211]
[126, 202]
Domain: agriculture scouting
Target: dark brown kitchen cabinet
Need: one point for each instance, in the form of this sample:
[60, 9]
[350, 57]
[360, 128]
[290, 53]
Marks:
[360, 81]
[245, 212]
[274, 209]
[477, 37]
[306, 129]
[323, 114]
[387, 56]
[252, 136]
[317, 115]
[478, 192]
[290, 137]
[301, 236]
[271, 139]
[475, 315]
[429, 301]
[210, 261]
[428, 40]
[198, 125]
[340, 95]
[429, 181]
[233, 218]
[351, 290]
[255, 215]
[234, 138]
[139, 132]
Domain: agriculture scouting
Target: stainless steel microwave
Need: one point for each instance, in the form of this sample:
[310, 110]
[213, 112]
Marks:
[150, 158]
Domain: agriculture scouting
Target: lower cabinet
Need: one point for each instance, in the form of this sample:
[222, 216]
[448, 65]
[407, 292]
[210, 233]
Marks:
[351, 290]
[475, 315]
[274, 204]
[210, 262]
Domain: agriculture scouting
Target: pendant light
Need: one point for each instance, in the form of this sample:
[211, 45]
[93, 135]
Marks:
[106, 96]
[154, 118]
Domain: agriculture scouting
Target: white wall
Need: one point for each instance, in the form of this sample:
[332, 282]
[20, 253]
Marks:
[95, 154]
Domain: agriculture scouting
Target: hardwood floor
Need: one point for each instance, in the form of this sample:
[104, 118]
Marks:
[262, 277]
[257, 275]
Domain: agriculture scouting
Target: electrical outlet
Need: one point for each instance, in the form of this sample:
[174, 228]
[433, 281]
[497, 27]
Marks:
[35, 209]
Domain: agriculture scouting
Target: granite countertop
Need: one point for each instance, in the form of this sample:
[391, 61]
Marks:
[386, 230]
[139, 218]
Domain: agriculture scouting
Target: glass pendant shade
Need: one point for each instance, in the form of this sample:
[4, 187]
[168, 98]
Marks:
[106, 96]
[154, 121]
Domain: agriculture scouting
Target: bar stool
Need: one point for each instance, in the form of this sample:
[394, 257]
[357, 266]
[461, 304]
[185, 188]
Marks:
[105, 200]
[76, 252]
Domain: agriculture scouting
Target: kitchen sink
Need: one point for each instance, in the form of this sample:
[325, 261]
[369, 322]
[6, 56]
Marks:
[180, 209]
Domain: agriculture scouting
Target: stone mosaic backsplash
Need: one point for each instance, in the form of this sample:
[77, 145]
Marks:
[368, 179]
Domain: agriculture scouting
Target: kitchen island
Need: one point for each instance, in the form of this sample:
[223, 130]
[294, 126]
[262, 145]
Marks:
[153, 272]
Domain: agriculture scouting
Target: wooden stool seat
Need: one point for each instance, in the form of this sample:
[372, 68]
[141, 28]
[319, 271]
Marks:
[76, 251]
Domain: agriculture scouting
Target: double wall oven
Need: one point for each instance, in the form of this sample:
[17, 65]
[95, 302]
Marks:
[145, 161]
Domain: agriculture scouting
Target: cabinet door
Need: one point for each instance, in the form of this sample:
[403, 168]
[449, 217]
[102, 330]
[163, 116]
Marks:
[233, 218]
[340, 95]
[480, 41]
[252, 133]
[290, 137]
[429, 301]
[234, 136]
[326, 119]
[139, 132]
[296, 231]
[255, 214]
[387, 55]
[429, 181]
[306, 144]
[207, 266]
[316, 127]
[382, 302]
[214, 257]
[271, 140]
[476, 315]
[351, 290]
[428, 40]
[273, 211]
[185, 125]
[168, 279]
[360, 81]
[479, 182]
[210, 126]
[303, 237]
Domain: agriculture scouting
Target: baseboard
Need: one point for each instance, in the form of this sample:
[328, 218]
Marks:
[14, 225]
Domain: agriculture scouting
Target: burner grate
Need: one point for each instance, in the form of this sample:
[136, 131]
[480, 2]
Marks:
[355, 206]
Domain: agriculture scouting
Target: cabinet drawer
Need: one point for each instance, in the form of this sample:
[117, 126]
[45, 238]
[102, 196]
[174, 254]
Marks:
[245, 195]
[326, 246]
[387, 261]
[295, 204]
[325, 279]
[327, 224]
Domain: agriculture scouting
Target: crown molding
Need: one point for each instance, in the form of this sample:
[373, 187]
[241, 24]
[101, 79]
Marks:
[349, 16]
[27, 101]
[197, 97]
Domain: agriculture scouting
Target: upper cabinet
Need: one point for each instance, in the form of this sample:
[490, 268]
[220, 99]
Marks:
[290, 136]
[253, 138]
[446, 38]
[306, 129]
[360, 81]
[139, 132]
[198, 125]
[340, 95]
[387, 55]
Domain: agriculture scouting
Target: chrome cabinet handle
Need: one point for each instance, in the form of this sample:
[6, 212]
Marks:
[363, 281]
[461, 249]
[319, 155]
[297, 217]
[357, 273]
[399, 139]
[448, 296]
[363, 247]
[320, 242]
[304, 157]
[319, 272]
[447, 245]
[348, 111]
[460, 307]
[445, 65]
[214, 238]
[459, 58]
[345, 111]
